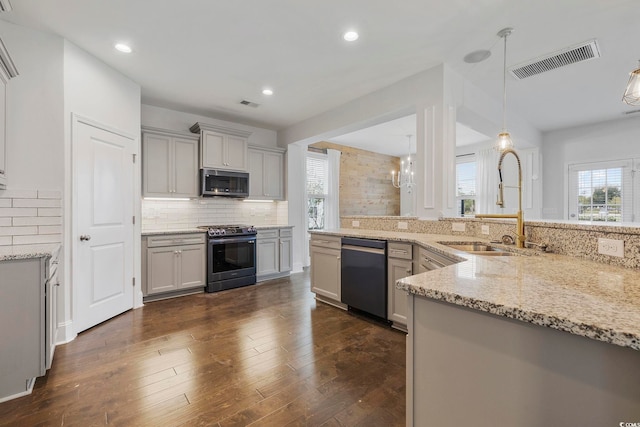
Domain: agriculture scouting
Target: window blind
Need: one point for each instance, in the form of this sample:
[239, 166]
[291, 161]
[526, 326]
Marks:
[601, 191]
[317, 173]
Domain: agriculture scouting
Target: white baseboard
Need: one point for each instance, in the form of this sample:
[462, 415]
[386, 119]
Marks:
[65, 332]
[30, 384]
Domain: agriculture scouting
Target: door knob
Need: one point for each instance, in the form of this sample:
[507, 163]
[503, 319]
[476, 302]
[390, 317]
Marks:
[84, 237]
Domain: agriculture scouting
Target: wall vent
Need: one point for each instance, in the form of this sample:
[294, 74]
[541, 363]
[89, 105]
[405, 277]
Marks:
[5, 6]
[249, 103]
[582, 52]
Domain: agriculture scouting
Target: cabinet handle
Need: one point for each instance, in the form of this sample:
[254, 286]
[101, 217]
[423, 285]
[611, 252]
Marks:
[85, 237]
[399, 251]
[409, 270]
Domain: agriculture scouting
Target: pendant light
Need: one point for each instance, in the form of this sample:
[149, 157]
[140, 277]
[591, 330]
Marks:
[632, 94]
[504, 141]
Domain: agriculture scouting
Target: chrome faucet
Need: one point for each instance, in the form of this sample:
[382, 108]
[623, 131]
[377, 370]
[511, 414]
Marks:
[519, 215]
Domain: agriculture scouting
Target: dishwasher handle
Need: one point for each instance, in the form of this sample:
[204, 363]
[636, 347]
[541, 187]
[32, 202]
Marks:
[363, 249]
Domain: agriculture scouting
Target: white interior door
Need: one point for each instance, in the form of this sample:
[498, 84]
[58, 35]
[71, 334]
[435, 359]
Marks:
[103, 224]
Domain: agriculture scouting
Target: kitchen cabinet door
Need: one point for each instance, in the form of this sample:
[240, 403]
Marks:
[169, 164]
[162, 268]
[3, 142]
[397, 299]
[213, 150]
[267, 256]
[157, 165]
[325, 272]
[191, 271]
[236, 153]
[185, 168]
[272, 176]
[266, 174]
[285, 254]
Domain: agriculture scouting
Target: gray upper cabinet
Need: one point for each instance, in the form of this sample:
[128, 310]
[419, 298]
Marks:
[169, 164]
[266, 173]
[222, 148]
[7, 71]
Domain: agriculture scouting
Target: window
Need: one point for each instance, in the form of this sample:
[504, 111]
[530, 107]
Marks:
[466, 185]
[317, 189]
[601, 191]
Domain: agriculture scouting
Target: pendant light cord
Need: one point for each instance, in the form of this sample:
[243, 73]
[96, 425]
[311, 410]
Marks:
[504, 86]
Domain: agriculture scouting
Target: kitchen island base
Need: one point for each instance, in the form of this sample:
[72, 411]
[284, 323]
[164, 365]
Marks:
[467, 367]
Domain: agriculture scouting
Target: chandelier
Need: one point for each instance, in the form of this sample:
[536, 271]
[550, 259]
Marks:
[404, 177]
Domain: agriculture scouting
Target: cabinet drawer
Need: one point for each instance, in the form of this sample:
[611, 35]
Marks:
[286, 232]
[429, 258]
[267, 234]
[175, 239]
[400, 250]
[331, 242]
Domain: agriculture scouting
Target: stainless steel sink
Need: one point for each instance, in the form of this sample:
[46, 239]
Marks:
[478, 249]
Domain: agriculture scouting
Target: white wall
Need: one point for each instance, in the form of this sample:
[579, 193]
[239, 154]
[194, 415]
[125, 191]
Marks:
[164, 118]
[96, 91]
[35, 133]
[612, 140]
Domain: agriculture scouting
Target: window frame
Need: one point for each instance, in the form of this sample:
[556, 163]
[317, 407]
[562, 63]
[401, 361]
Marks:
[462, 159]
[629, 196]
[324, 196]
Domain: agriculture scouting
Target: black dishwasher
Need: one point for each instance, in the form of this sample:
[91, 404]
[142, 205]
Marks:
[364, 275]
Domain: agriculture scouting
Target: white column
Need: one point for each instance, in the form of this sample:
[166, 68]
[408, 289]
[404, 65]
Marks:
[296, 192]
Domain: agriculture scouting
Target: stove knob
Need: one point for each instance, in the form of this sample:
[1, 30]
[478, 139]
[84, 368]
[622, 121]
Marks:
[223, 231]
[216, 232]
[251, 229]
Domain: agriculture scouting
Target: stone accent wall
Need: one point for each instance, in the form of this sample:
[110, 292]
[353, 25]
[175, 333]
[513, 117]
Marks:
[30, 217]
[365, 183]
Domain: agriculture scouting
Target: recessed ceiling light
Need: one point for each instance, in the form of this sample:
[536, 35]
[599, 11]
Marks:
[267, 92]
[477, 56]
[350, 36]
[123, 48]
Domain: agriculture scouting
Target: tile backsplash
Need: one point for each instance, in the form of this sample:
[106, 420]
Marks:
[30, 217]
[565, 238]
[160, 215]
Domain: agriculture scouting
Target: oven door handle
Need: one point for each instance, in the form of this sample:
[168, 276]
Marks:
[233, 240]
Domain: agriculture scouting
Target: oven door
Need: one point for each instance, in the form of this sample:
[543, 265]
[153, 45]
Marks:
[231, 257]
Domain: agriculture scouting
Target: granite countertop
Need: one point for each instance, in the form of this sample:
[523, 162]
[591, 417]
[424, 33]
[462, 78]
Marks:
[199, 230]
[181, 231]
[8, 253]
[575, 295]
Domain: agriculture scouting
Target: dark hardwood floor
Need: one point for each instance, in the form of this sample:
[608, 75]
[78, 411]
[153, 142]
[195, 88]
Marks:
[265, 355]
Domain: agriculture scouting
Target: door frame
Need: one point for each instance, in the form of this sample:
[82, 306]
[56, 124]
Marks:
[72, 233]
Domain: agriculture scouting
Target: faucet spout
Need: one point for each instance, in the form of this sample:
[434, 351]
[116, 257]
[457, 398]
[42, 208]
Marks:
[519, 215]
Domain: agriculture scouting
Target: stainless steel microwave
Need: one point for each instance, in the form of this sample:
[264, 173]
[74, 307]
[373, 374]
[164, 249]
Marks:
[214, 182]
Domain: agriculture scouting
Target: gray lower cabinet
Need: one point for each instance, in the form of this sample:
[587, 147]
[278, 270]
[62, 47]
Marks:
[399, 265]
[22, 311]
[173, 264]
[273, 253]
[325, 268]
[430, 260]
[51, 311]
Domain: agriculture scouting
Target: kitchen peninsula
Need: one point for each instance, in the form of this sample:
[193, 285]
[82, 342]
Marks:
[488, 341]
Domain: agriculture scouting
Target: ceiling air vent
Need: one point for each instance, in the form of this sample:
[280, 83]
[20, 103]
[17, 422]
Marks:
[5, 6]
[582, 52]
[249, 103]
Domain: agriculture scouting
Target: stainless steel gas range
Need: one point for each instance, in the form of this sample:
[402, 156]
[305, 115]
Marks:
[231, 257]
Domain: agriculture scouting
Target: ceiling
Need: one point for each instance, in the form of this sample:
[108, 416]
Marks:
[204, 57]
